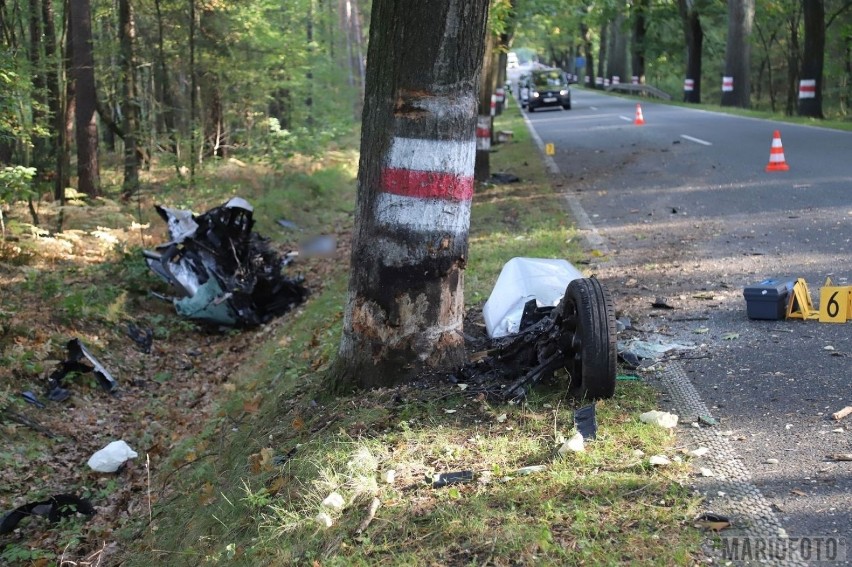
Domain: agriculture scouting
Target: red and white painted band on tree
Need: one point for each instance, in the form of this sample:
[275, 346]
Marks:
[807, 88]
[427, 185]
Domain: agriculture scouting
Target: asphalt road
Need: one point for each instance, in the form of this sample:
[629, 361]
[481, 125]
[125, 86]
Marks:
[686, 211]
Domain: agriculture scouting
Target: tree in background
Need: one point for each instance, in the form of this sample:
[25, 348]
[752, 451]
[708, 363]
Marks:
[83, 75]
[694, 38]
[737, 85]
[415, 185]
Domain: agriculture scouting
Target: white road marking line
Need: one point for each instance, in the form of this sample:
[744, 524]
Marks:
[626, 118]
[696, 140]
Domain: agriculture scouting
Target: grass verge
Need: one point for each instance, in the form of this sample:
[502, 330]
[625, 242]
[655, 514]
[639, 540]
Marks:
[285, 475]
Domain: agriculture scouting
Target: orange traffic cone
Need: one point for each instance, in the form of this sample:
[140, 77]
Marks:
[776, 155]
[639, 120]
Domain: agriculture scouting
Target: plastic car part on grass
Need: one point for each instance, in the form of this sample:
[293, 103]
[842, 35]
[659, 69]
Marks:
[54, 509]
[223, 273]
[577, 335]
[522, 280]
[74, 364]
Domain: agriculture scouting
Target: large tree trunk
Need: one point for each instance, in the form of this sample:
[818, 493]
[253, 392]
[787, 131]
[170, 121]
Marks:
[586, 34]
[41, 145]
[602, 51]
[810, 85]
[127, 37]
[485, 123]
[738, 54]
[54, 99]
[162, 80]
[638, 48]
[415, 185]
[617, 53]
[694, 38]
[83, 71]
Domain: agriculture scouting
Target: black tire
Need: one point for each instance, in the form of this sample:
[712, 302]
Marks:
[588, 313]
[567, 106]
[531, 108]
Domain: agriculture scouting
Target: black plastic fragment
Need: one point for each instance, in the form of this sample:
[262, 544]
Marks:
[445, 479]
[78, 351]
[501, 178]
[31, 398]
[54, 509]
[629, 359]
[586, 422]
[74, 365]
[143, 339]
[533, 314]
[282, 459]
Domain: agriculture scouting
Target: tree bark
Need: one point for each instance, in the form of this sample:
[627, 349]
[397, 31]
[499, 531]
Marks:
[127, 39]
[485, 123]
[602, 51]
[162, 80]
[54, 101]
[586, 34]
[694, 39]
[617, 54]
[83, 70]
[415, 185]
[640, 28]
[810, 95]
[738, 53]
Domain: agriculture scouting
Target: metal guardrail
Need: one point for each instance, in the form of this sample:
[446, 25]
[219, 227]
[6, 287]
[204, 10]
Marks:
[642, 89]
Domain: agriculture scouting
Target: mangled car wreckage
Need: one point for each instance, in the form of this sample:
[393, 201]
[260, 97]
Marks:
[223, 273]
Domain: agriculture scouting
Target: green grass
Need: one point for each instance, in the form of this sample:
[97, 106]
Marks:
[248, 491]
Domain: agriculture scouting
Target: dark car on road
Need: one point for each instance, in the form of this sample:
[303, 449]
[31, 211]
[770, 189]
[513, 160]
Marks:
[548, 87]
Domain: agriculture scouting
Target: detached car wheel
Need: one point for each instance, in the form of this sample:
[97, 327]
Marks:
[588, 313]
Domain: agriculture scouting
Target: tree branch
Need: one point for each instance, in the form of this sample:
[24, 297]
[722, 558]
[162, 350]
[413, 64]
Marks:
[837, 13]
[108, 119]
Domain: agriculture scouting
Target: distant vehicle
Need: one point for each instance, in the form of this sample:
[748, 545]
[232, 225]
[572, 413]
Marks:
[548, 87]
[512, 60]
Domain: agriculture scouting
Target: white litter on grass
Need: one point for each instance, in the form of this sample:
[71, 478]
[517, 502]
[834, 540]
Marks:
[111, 457]
[531, 469]
[389, 476]
[659, 418]
[659, 460]
[705, 472]
[573, 445]
[324, 520]
[334, 501]
[700, 452]
[501, 418]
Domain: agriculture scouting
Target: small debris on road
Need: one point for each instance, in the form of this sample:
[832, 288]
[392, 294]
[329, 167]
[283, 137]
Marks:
[838, 415]
[711, 521]
[659, 418]
[771, 461]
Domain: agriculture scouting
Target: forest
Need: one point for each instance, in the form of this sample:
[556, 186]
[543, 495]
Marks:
[89, 85]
